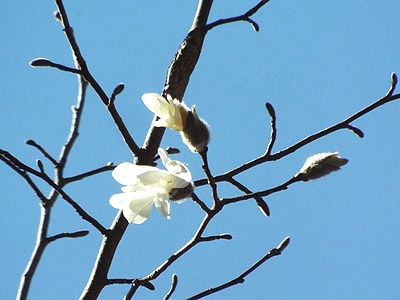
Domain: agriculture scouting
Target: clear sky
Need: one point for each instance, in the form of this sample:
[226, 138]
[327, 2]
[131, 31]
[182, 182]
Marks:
[317, 62]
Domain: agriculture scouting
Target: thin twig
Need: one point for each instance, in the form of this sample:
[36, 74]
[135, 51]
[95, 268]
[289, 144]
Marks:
[43, 62]
[41, 150]
[117, 90]
[174, 283]
[76, 234]
[158, 271]
[272, 140]
[278, 155]
[240, 279]
[18, 164]
[90, 79]
[9, 160]
[224, 236]
[84, 215]
[105, 168]
[210, 178]
[200, 203]
[119, 281]
[245, 17]
[278, 188]
[74, 129]
[262, 205]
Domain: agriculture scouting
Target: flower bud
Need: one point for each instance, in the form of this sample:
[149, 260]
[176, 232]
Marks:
[177, 194]
[41, 62]
[196, 133]
[320, 165]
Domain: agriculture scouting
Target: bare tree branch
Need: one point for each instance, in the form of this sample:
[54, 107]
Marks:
[177, 80]
[108, 167]
[44, 62]
[262, 205]
[81, 63]
[7, 158]
[44, 152]
[202, 13]
[42, 175]
[210, 178]
[245, 17]
[272, 140]
[76, 234]
[174, 283]
[200, 203]
[75, 205]
[224, 236]
[278, 155]
[240, 279]
[278, 188]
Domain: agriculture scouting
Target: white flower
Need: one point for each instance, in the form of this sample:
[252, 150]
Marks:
[320, 165]
[171, 112]
[145, 185]
[177, 116]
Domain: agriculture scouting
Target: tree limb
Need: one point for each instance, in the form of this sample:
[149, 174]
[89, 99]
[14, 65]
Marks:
[278, 155]
[240, 279]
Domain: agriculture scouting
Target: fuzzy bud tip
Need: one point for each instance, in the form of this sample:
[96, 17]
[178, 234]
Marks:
[196, 133]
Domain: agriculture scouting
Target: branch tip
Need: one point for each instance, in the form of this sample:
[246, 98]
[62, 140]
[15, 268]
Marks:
[40, 62]
[394, 79]
[174, 283]
[171, 150]
[283, 244]
[118, 89]
[263, 206]
[40, 165]
[270, 110]
[393, 83]
[80, 233]
[57, 16]
[358, 132]
[254, 25]
[148, 285]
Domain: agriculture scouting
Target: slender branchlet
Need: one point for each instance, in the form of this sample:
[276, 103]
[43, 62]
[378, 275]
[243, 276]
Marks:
[174, 283]
[240, 279]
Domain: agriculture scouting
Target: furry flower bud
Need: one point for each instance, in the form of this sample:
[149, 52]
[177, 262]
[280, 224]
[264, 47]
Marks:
[320, 165]
[196, 133]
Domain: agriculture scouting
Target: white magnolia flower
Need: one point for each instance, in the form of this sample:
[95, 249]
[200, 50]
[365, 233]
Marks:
[145, 185]
[176, 115]
[320, 165]
[171, 112]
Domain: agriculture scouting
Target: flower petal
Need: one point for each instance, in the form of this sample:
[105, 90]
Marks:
[126, 173]
[175, 167]
[163, 205]
[335, 160]
[154, 178]
[138, 210]
[155, 103]
[119, 200]
[171, 113]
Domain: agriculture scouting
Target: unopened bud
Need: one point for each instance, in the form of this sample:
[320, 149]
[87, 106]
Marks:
[181, 193]
[320, 165]
[118, 89]
[196, 133]
[57, 16]
[41, 62]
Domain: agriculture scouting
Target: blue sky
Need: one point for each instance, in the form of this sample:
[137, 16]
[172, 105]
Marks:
[316, 62]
